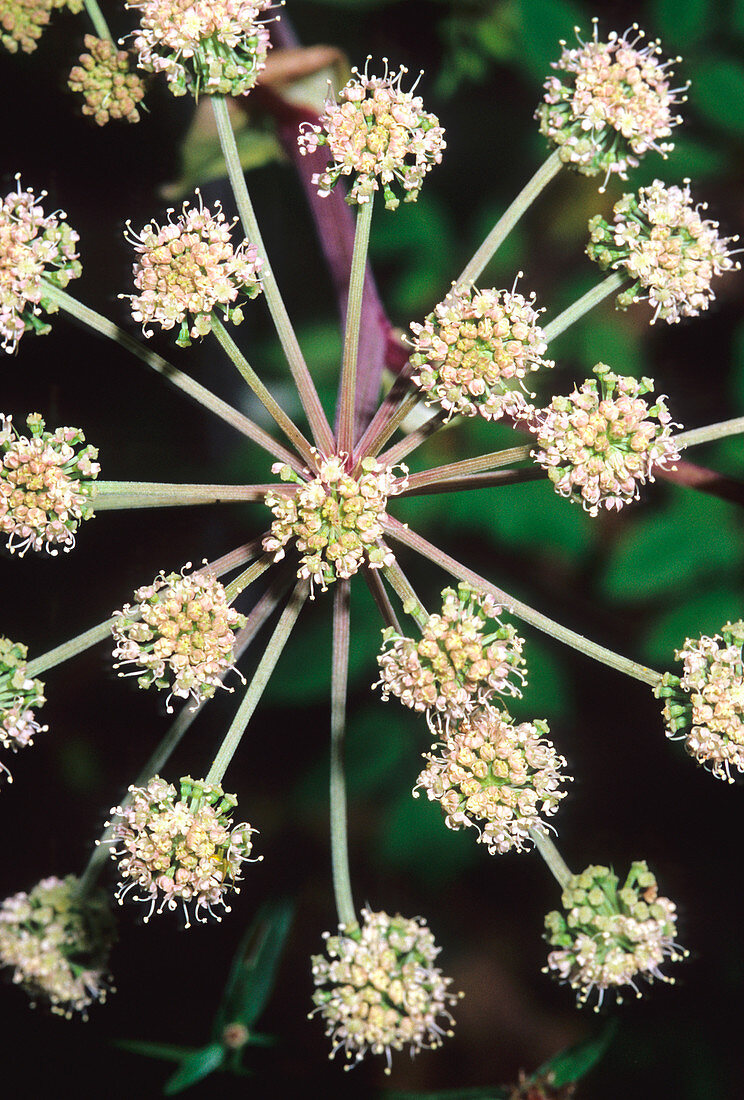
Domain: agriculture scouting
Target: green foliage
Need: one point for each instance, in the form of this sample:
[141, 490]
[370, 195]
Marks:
[719, 93]
[570, 1065]
[195, 1067]
[660, 550]
[683, 24]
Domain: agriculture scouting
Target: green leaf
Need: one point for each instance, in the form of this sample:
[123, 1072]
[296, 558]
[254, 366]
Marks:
[167, 1051]
[701, 614]
[195, 1067]
[719, 93]
[574, 1063]
[254, 967]
[201, 155]
[415, 839]
[543, 24]
[689, 158]
[695, 535]
[682, 24]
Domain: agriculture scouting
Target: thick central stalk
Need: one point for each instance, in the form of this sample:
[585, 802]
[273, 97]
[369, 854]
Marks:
[339, 683]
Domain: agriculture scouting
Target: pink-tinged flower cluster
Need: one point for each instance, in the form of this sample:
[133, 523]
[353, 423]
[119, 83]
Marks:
[187, 268]
[464, 657]
[180, 847]
[603, 441]
[705, 705]
[501, 778]
[472, 353]
[663, 244]
[179, 634]
[104, 80]
[213, 46]
[334, 518]
[22, 21]
[378, 990]
[380, 135]
[609, 104]
[610, 937]
[58, 942]
[19, 697]
[46, 483]
[33, 245]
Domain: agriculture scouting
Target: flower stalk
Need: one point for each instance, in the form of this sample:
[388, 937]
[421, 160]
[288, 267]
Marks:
[509, 219]
[98, 20]
[582, 305]
[321, 430]
[216, 405]
[258, 684]
[552, 857]
[339, 685]
[108, 496]
[348, 388]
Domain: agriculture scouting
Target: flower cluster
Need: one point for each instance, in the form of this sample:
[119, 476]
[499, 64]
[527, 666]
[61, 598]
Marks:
[609, 937]
[45, 485]
[705, 705]
[179, 633]
[333, 519]
[58, 940]
[19, 696]
[213, 46]
[22, 21]
[609, 104]
[180, 847]
[464, 656]
[603, 441]
[33, 246]
[379, 134]
[189, 267]
[659, 238]
[378, 990]
[104, 80]
[471, 354]
[498, 777]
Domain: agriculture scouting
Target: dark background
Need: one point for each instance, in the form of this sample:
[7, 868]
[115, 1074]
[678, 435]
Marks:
[639, 583]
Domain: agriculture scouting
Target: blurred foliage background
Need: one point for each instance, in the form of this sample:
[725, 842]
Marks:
[638, 582]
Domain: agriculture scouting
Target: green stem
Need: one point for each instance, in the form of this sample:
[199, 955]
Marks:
[583, 304]
[467, 466]
[709, 433]
[97, 19]
[115, 495]
[161, 366]
[414, 439]
[101, 854]
[509, 219]
[347, 394]
[391, 417]
[400, 584]
[553, 858]
[70, 649]
[339, 684]
[98, 633]
[273, 408]
[381, 598]
[402, 534]
[248, 576]
[488, 480]
[319, 425]
[257, 685]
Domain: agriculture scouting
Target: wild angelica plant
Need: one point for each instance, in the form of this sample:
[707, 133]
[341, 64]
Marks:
[330, 510]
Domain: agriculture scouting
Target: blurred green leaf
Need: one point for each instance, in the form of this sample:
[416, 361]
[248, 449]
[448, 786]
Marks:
[618, 342]
[738, 377]
[719, 93]
[254, 968]
[574, 1063]
[415, 839]
[167, 1051]
[690, 158]
[682, 24]
[195, 1067]
[693, 536]
[201, 155]
[703, 613]
[543, 24]
[548, 691]
[419, 241]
